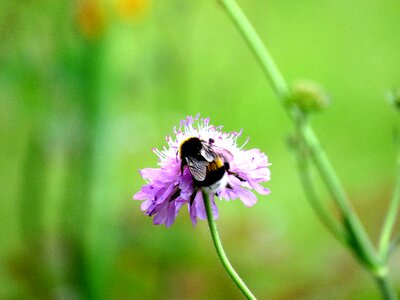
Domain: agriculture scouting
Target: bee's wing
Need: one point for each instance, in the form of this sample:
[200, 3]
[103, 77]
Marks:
[198, 168]
[207, 152]
[225, 154]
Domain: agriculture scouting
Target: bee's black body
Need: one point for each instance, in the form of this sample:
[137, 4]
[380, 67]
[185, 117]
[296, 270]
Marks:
[205, 164]
[191, 148]
[212, 177]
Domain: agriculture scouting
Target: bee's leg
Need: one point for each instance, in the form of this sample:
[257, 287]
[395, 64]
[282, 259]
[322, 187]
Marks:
[227, 167]
[175, 194]
[182, 165]
[236, 175]
[193, 196]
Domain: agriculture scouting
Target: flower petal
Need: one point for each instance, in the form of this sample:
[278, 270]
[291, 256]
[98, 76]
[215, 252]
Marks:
[149, 173]
[192, 208]
[214, 207]
[161, 216]
[172, 212]
[259, 188]
[200, 208]
[140, 195]
[247, 197]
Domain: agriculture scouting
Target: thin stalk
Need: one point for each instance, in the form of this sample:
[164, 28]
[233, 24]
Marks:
[319, 157]
[390, 220]
[220, 250]
[359, 241]
[395, 243]
[323, 214]
[257, 46]
[362, 245]
[386, 288]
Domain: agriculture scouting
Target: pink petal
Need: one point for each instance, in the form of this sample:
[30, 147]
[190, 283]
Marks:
[247, 197]
[140, 196]
[259, 188]
[150, 173]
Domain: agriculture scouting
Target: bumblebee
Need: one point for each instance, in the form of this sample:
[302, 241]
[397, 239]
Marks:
[207, 163]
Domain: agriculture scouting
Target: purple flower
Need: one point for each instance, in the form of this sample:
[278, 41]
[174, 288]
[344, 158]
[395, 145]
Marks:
[169, 187]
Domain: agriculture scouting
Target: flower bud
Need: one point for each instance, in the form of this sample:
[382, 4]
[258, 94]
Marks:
[309, 96]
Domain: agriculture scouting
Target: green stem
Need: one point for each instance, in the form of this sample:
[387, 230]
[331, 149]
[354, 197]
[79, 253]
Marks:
[386, 288]
[220, 250]
[390, 220]
[325, 217]
[257, 46]
[358, 239]
[361, 240]
[395, 243]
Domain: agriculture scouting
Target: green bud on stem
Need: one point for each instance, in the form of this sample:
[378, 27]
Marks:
[309, 96]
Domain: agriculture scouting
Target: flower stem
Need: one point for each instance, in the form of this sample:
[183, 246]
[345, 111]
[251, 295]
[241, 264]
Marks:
[386, 288]
[220, 250]
[390, 220]
[362, 244]
[393, 244]
[325, 217]
[358, 240]
[257, 46]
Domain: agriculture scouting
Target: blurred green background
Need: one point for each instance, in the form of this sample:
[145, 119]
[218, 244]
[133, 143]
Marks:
[87, 88]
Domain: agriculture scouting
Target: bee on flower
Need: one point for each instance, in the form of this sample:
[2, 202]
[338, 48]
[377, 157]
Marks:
[201, 156]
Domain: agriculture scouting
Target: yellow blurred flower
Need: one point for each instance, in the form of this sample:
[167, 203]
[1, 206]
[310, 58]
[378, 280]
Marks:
[130, 9]
[90, 17]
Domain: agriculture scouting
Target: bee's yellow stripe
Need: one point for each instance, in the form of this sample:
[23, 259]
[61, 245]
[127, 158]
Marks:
[215, 165]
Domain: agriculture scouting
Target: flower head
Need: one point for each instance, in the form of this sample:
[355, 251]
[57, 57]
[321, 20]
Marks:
[173, 184]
